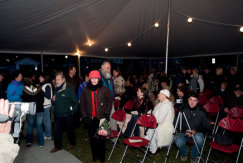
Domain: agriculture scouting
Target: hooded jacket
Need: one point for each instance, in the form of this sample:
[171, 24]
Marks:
[34, 94]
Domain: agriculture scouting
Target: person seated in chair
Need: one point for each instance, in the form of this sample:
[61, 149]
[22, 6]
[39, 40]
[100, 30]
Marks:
[164, 114]
[198, 123]
[142, 104]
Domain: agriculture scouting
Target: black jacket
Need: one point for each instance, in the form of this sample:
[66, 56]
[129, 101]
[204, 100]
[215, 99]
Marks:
[33, 94]
[197, 119]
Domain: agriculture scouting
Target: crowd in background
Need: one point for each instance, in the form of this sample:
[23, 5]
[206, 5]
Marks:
[73, 99]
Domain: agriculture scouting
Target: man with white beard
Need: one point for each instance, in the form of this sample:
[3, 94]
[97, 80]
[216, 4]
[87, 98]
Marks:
[105, 73]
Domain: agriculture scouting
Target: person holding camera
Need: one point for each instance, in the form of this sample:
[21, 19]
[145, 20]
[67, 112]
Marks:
[181, 97]
[8, 150]
[199, 124]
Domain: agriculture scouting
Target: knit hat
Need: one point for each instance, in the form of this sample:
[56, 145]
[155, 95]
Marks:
[165, 92]
[94, 74]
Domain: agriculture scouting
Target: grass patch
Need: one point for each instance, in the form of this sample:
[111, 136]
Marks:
[83, 152]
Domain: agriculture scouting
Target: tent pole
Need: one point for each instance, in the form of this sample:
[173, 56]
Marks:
[42, 67]
[167, 39]
[79, 73]
[237, 60]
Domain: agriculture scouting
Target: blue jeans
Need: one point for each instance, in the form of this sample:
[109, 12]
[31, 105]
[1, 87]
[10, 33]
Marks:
[47, 122]
[38, 120]
[181, 140]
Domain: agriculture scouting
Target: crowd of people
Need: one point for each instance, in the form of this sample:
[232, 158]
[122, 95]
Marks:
[92, 100]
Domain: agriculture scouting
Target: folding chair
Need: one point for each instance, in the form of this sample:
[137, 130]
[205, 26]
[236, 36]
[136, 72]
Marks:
[129, 105]
[208, 92]
[213, 111]
[117, 103]
[236, 111]
[118, 115]
[148, 121]
[203, 98]
[232, 124]
[217, 99]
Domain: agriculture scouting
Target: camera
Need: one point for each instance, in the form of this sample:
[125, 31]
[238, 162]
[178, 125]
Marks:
[20, 112]
[179, 101]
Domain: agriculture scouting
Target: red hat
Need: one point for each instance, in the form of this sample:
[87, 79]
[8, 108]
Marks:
[94, 74]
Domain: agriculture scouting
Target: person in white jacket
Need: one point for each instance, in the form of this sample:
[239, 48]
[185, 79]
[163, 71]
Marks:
[164, 114]
[8, 150]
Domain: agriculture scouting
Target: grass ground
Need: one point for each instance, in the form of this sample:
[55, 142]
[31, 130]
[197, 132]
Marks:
[83, 152]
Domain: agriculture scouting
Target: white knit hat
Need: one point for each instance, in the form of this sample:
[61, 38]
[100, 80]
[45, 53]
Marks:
[165, 92]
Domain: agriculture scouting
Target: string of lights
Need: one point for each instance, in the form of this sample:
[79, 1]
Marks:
[156, 25]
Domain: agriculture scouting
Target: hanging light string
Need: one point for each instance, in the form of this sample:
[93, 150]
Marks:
[139, 35]
[206, 21]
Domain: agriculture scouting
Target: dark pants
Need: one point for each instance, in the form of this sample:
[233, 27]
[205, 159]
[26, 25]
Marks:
[98, 144]
[131, 125]
[59, 126]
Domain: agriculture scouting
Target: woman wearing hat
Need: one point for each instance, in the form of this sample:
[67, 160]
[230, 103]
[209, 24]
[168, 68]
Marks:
[164, 114]
[95, 104]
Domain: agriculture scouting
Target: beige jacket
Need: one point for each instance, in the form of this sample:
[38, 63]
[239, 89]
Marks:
[8, 150]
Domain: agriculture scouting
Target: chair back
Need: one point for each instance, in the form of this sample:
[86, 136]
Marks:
[217, 99]
[203, 99]
[231, 123]
[236, 111]
[211, 108]
[147, 120]
[208, 92]
[119, 115]
[129, 105]
[116, 103]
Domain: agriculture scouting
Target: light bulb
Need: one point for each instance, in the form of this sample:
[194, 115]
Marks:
[156, 25]
[189, 20]
[106, 49]
[129, 44]
[66, 56]
[90, 43]
[241, 29]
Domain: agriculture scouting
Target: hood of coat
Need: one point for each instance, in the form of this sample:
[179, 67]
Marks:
[32, 90]
[92, 87]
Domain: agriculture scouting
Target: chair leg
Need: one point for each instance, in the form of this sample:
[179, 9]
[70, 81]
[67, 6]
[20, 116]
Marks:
[208, 154]
[177, 154]
[114, 145]
[200, 156]
[239, 151]
[146, 153]
[124, 153]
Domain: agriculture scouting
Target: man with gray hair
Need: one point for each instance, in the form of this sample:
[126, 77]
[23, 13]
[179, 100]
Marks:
[105, 73]
[65, 104]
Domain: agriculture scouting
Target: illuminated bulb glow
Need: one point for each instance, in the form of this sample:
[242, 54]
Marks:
[129, 44]
[241, 29]
[156, 25]
[189, 20]
[106, 49]
[90, 43]
[66, 56]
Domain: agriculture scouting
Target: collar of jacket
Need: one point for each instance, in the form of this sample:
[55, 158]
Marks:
[63, 87]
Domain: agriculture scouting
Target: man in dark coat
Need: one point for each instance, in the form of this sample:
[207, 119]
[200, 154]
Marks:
[198, 123]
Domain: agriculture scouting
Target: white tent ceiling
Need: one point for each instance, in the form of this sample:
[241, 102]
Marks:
[63, 26]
